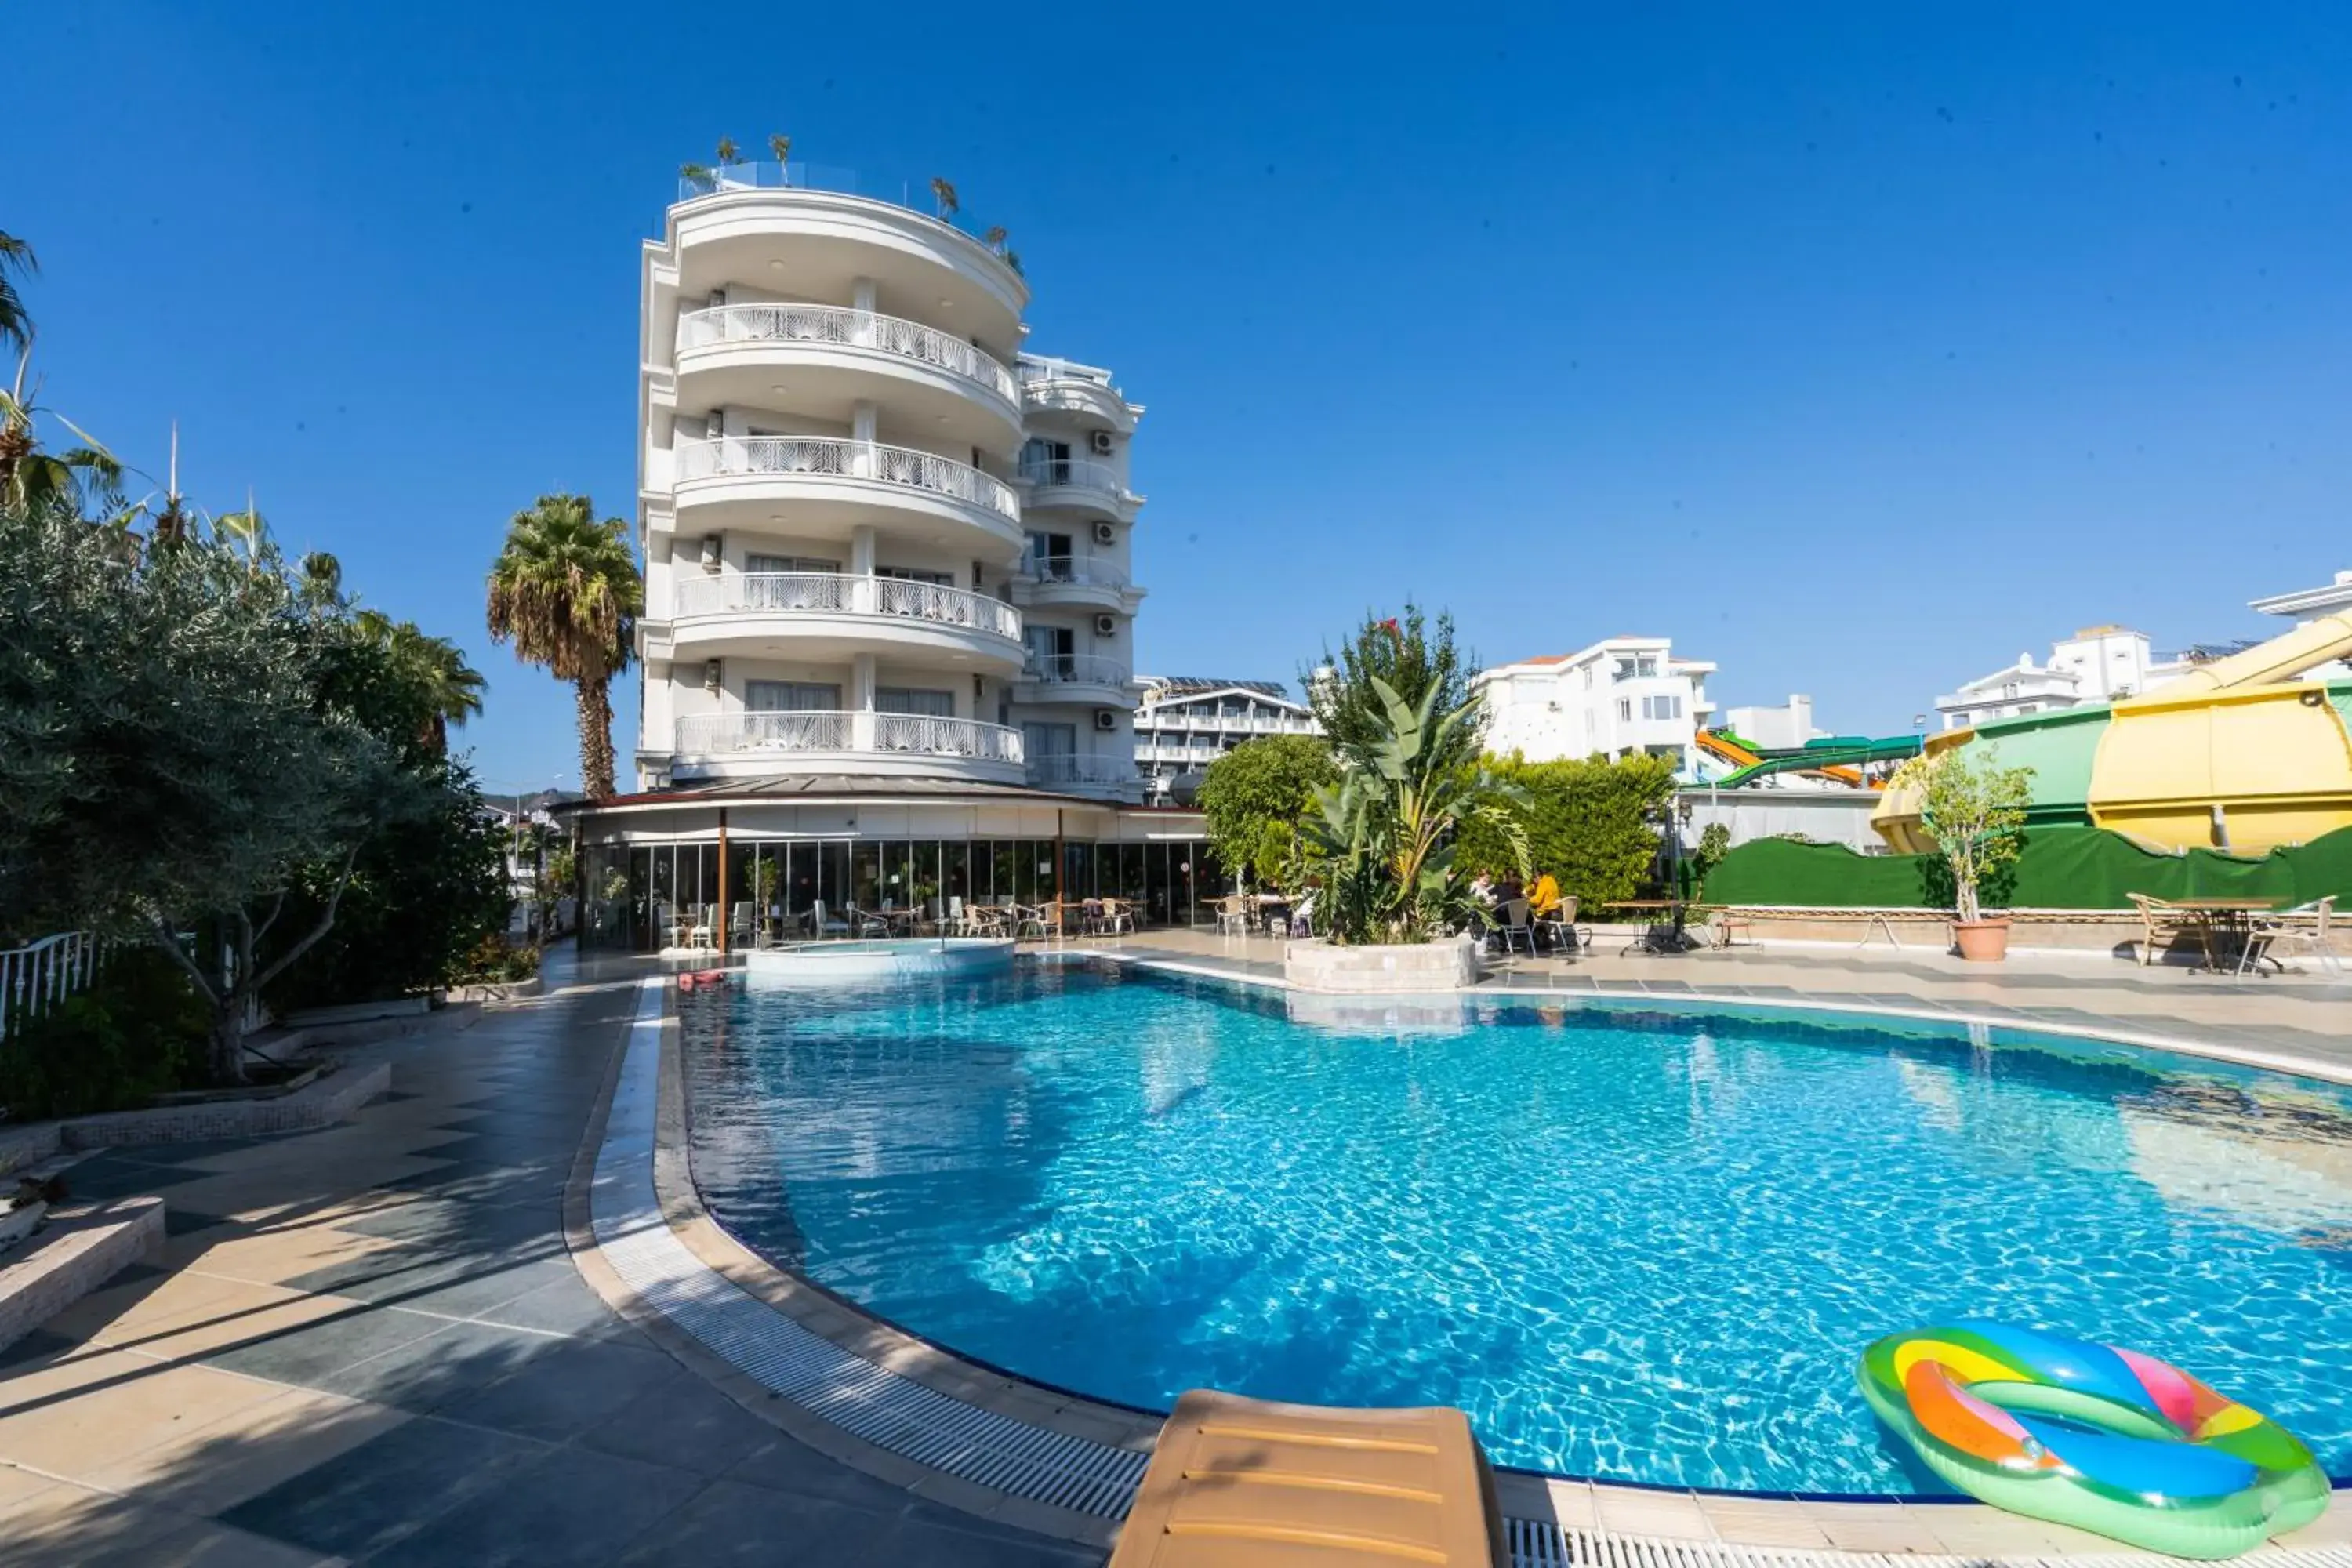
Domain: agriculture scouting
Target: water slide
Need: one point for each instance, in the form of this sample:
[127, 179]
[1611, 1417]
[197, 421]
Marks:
[2239, 755]
[1722, 745]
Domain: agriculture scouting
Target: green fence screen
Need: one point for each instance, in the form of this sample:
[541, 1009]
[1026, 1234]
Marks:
[2061, 869]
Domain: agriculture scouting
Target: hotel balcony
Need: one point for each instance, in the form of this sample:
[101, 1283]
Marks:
[1084, 678]
[821, 361]
[1113, 778]
[832, 615]
[1072, 583]
[1060, 385]
[829, 487]
[739, 743]
[1076, 484]
[824, 228]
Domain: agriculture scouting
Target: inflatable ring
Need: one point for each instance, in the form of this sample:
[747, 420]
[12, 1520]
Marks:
[2103, 1440]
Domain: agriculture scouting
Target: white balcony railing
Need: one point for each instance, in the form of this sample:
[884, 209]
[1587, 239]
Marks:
[788, 593]
[1075, 669]
[839, 326]
[914, 195]
[1072, 568]
[831, 457]
[1037, 369]
[37, 976]
[904, 735]
[1072, 473]
[1067, 769]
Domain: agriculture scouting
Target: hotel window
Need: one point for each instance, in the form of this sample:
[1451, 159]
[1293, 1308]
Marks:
[1625, 710]
[912, 700]
[1646, 665]
[1667, 707]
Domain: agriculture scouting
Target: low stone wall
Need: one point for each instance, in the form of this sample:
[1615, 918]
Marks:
[73, 1257]
[1426, 967]
[331, 1098]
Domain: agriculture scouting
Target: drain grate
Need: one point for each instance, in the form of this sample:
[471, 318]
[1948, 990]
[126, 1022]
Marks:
[872, 1403]
[1540, 1544]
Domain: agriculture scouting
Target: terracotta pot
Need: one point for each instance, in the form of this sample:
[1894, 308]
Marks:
[1981, 941]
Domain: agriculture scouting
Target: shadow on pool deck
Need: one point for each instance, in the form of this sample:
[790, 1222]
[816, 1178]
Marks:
[368, 1342]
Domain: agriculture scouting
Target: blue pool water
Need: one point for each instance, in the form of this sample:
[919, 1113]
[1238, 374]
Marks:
[1640, 1246]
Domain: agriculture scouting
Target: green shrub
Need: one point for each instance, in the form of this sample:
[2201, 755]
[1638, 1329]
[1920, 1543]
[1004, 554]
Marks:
[137, 1032]
[493, 963]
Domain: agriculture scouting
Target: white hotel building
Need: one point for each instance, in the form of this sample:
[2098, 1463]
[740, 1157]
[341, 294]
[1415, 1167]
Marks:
[1619, 696]
[889, 605]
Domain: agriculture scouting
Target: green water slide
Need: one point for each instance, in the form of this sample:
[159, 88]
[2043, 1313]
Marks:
[1844, 752]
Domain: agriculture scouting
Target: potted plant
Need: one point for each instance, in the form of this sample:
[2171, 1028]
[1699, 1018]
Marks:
[1975, 809]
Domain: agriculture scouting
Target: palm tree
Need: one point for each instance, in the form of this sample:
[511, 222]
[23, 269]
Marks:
[448, 690]
[726, 151]
[16, 326]
[945, 194]
[86, 477]
[994, 238]
[565, 591]
[780, 147]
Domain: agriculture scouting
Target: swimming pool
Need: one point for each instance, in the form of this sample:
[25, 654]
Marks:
[1641, 1245]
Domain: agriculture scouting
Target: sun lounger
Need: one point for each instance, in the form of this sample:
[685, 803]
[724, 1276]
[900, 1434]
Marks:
[1241, 1483]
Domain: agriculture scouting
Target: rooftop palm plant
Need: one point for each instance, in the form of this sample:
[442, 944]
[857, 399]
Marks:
[944, 194]
[780, 147]
[1382, 839]
[566, 592]
[726, 151]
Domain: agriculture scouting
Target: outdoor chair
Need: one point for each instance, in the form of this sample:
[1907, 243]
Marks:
[822, 924]
[2161, 922]
[1301, 922]
[2306, 928]
[1512, 925]
[1232, 916]
[738, 924]
[1118, 917]
[1559, 922]
[955, 922]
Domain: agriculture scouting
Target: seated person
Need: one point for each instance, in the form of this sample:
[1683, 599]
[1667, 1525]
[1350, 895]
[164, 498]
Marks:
[1543, 898]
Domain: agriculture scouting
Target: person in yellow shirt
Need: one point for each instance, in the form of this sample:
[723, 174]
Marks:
[1543, 898]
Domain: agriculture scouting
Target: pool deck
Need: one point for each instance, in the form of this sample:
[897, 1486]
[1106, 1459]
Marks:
[395, 1341]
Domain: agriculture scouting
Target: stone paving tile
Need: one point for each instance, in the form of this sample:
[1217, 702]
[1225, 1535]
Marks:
[731, 1523]
[386, 1488]
[571, 1386]
[311, 1355]
[569, 1506]
[690, 1426]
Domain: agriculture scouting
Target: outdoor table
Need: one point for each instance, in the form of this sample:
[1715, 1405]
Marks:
[1649, 937]
[2220, 922]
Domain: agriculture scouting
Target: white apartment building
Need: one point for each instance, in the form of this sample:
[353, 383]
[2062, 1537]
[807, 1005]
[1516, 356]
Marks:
[2306, 605]
[1621, 695]
[2097, 664]
[1186, 722]
[880, 540]
[1783, 729]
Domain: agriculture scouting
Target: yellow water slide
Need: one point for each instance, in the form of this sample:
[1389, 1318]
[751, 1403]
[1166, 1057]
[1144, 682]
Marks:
[2239, 754]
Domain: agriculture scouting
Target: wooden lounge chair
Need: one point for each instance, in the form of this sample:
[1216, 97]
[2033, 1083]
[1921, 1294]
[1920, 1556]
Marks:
[1242, 1483]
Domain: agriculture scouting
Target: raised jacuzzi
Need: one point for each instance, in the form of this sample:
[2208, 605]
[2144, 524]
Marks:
[861, 962]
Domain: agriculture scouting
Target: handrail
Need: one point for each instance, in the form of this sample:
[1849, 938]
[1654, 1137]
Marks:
[829, 729]
[1067, 767]
[726, 179]
[1071, 569]
[841, 593]
[38, 975]
[833, 456]
[1072, 473]
[847, 328]
[1075, 668]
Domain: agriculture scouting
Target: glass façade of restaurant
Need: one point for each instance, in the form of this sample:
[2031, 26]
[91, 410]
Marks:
[777, 862]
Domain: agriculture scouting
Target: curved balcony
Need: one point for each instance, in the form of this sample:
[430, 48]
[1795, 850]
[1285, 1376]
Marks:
[1078, 484]
[829, 614]
[1113, 776]
[1063, 386]
[828, 226]
[1076, 678]
[1074, 582]
[744, 745]
[829, 487]
[821, 361]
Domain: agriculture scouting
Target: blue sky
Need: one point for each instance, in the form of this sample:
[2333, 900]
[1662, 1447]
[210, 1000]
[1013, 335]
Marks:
[1856, 351]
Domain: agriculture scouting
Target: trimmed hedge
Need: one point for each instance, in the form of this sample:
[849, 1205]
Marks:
[2061, 869]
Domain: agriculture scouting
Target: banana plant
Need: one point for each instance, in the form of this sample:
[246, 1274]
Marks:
[1382, 838]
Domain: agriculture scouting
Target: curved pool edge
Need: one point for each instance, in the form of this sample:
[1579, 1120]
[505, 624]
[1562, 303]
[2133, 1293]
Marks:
[1551, 1519]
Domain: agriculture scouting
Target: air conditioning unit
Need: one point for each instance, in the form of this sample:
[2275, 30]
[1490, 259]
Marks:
[1105, 533]
[1105, 626]
[1106, 719]
[714, 674]
[711, 549]
[1100, 442]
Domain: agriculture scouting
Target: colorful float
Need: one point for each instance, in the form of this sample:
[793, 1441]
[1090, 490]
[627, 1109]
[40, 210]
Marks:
[2087, 1434]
